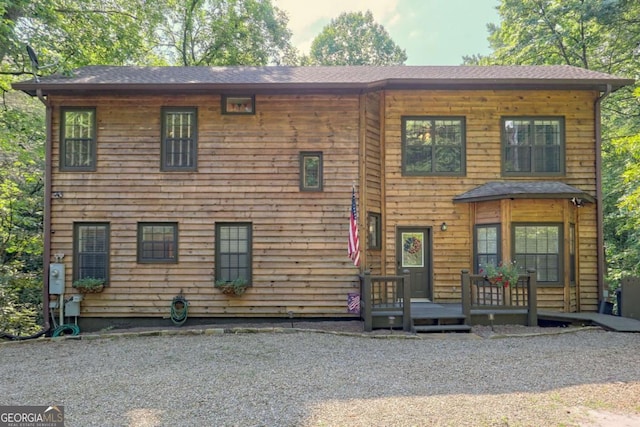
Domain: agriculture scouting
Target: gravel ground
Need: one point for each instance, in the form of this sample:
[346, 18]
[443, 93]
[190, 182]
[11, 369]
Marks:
[334, 376]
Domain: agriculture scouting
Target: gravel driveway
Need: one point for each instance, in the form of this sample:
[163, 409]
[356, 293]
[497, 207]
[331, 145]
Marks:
[584, 378]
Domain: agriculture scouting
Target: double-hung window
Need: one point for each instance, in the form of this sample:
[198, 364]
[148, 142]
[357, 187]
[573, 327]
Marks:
[158, 242]
[233, 251]
[538, 246]
[487, 246]
[179, 138]
[78, 139]
[91, 251]
[433, 145]
[533, 146]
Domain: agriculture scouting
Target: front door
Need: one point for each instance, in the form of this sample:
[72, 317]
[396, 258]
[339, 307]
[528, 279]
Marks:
[413, 253]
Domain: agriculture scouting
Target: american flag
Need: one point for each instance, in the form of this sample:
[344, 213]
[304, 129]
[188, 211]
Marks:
[354, 240]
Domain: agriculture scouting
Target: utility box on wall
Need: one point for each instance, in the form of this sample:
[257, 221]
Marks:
[72, 307]
[630, 297]
[56, 278]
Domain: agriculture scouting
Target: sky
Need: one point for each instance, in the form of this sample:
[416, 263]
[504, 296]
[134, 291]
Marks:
[432, 32]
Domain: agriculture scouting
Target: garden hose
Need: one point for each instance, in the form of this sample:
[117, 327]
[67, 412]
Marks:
[179, 309]
[21, 338]
[66, 329]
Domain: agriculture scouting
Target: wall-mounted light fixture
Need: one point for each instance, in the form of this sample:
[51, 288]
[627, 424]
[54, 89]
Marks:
[443, 226]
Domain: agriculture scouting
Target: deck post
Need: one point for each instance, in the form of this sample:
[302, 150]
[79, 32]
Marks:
[466, 296]
[406, 301]
[532, 291]
[365, 297]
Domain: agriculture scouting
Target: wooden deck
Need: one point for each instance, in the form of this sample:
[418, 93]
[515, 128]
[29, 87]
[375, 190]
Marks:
[429, 316]
[606, 321]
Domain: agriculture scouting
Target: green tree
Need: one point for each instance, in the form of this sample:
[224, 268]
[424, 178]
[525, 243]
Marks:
[598, 35]
[355, 39]
[225, 32]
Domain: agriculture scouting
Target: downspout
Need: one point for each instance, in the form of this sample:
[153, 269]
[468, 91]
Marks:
[599, 197]
[46, 255]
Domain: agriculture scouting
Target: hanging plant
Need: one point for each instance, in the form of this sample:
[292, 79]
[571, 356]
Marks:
[504, 274]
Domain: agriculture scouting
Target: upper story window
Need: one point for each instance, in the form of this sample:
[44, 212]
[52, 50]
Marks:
[238, 104]
[433, 145]
[179, 138]
[311, 171]
[533, 146]
[78, 139]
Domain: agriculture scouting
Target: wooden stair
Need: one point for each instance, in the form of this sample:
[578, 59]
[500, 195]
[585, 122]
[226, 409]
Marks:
[439, 321]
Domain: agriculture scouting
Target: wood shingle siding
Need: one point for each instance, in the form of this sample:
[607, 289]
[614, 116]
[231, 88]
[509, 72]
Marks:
[427, 200]
[247, 171]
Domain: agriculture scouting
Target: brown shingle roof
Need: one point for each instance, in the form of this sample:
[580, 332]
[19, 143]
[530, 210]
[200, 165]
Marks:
[322, 78]
[520, 190]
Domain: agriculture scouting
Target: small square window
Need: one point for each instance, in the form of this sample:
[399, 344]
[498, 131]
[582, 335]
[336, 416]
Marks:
[238, 104]
[158, 242]
[311, 171]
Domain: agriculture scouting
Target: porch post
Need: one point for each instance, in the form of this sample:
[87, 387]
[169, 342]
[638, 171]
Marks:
[466, 296]
[406, 301]
[532, 283]
[365, 296]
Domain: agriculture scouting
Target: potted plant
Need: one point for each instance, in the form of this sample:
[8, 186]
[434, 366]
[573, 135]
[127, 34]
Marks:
[232, 287]
[89, 285]
[504, 274]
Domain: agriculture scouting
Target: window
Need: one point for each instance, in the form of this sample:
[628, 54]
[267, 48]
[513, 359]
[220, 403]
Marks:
[238, 104]
[433, 146]
[179, 139]
[91, 251]
[158, 242]
[233, 251]
[572, 254]
[487, 246]
[538, 247]
[374, 230]
[78, 139]
[533, 146]
[311, 171]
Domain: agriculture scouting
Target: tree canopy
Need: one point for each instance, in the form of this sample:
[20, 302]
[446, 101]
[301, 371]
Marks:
[355, 39]
[598, 35]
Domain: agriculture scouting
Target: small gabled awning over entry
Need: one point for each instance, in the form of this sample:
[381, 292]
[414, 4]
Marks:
[524, 190]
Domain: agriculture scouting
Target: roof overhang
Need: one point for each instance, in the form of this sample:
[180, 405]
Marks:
[347, 79]
[524, 190]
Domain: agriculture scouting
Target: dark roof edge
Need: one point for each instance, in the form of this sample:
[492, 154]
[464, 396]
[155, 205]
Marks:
[578, 195]
[31, 87]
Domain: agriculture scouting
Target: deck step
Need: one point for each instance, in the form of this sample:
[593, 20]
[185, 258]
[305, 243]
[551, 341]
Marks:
[442, 328]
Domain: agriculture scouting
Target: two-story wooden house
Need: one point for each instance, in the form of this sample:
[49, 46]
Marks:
[162, 180]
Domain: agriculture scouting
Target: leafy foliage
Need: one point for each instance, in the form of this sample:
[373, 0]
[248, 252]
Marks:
[355, 39]
[599, 35]
[225, 32]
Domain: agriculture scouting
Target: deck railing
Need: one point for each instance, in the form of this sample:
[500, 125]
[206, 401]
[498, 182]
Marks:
[479, 294]
[385, 296]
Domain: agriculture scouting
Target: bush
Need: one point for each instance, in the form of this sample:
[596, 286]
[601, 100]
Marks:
[20, 303]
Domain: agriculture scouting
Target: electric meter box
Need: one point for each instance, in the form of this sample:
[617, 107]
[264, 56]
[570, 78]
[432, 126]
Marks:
[56, 279]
